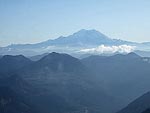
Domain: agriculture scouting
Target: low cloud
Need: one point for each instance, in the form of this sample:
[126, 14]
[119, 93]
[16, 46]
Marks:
[109, 49]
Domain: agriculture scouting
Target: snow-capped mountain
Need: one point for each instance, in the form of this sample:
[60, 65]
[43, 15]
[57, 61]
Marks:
[75, 43]
[80, 38]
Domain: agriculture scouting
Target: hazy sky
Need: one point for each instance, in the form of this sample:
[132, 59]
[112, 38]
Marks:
[30, 21]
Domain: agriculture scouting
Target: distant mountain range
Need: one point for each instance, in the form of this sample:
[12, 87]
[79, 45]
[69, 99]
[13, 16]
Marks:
[57, 83]
[76, 44]
[95, 84]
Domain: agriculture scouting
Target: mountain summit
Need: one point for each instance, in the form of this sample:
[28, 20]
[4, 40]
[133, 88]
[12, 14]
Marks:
[80, 38]
[89, 34]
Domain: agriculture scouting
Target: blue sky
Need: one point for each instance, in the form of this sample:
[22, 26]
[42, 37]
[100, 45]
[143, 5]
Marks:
[31, 21]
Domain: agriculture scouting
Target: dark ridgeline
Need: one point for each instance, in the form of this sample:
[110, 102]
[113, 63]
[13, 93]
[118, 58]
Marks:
[37, 57]
[60, 83]
[140, 105]
[10, 64]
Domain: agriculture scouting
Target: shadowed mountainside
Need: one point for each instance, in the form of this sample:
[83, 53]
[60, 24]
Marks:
[139, 105]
